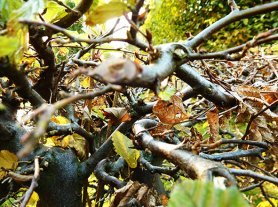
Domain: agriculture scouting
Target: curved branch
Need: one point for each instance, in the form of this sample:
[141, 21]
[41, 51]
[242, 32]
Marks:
[230, 18]
[233, 155]
[157, 169]
[73, 16]
[105, 177]
[195, 166]
[249, 173]
[226, 54]
[65, 129]
[45, 83]
[210, 91]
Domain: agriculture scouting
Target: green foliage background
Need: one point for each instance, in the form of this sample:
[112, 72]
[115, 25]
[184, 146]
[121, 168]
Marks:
[173, 20]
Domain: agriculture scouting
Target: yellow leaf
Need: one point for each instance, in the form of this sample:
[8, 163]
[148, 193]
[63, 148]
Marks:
[123, 146]
[8, 45]
[86, 82]
[8, 161]
[60, 120]
[54, 12]
[49, 142]
[102, 13]
[78, 143]
[267, 204]
[33, 200]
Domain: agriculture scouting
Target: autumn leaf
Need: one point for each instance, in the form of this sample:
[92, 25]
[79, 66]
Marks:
[117, 114]
[54, 12]
[60, 120]
[170, 112]
[102, 13]
[213, 121]
[78, 143]
[86, 82]
[115, 70]
[8, 45]
[33, 200]
[167, 93]
[8, 161]
[123, 146]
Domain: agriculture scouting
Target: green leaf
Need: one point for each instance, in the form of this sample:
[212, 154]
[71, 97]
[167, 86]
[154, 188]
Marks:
[28, 9]
[102, 13]
[123, 146]
[7, 7]
[54, 12]
[8, 45]
[203, 194]
[167, 93]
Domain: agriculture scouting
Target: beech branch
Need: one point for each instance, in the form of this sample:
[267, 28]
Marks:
[195, 166]
[101, 174]
[230, 18]
[249, 173]
[34, 183]
[24, 87]
[199, 84]
[46, 111]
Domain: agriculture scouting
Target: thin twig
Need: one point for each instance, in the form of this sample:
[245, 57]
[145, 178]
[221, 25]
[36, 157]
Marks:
[34, 183]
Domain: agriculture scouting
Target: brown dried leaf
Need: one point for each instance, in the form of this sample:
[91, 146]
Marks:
[117, 114]
[224, 120]
[134, 190]
[259, 130]
[243, 114]
[116, 70]
[270, 97]
[213, 121]
[170, 112]
[248, 91]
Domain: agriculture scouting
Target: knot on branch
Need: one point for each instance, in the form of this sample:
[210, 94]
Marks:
[181, 52]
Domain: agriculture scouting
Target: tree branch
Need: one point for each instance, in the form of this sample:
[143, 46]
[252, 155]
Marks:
[230, 18]
[210, 91]
[105, 177]
[25, 89]
[73, 16]
[34, 183]
[195, 166]
[249, 173]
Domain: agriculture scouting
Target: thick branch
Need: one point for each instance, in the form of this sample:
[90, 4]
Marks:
[25, 89]
[45, 83]
[73, 16]
[195, 166]
[214, 93]
[105, 177]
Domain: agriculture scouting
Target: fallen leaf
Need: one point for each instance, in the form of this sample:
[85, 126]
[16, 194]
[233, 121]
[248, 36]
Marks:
[8, 161]
[60, 120]
[170, 112]
[117, 114]
[213, 121]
